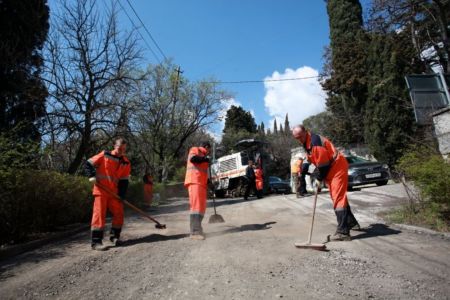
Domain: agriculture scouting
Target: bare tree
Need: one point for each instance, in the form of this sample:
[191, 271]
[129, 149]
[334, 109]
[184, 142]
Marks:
[168, 110]
[89, 71]
[427, 21]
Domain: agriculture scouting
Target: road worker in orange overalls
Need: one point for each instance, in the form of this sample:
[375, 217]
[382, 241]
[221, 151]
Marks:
[333, 168]
[112, 170]
[196, 181]
[259, 180]
[296, 171]
[148, 189]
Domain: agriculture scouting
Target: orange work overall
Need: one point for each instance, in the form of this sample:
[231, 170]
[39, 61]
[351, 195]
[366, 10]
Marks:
[110, 169]
[333, 168]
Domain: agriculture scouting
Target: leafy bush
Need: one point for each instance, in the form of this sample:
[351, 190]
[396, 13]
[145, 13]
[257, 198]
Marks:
[430, 174]
[33, 201]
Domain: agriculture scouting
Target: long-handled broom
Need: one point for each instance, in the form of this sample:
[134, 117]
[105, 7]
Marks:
[141, 212]
[308, 244]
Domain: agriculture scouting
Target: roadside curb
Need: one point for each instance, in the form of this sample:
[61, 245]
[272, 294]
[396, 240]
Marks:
[422, 230]
[11, 251]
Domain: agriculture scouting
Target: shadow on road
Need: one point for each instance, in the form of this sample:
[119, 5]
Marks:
[177, 206]
[375, 230]
[152, 238]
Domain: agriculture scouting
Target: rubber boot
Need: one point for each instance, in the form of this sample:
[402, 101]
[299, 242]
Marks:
[196, 227]
[97, 240]
[115, 236]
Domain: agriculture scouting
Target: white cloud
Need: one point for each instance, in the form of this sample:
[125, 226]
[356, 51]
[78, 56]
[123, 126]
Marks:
[299, 98]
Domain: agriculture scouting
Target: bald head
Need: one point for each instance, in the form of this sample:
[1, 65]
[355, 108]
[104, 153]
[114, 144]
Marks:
[299, 133]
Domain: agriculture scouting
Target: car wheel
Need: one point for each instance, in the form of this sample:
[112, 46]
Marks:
[382, 183]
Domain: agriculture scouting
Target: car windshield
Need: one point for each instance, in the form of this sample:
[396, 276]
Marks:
[275, 179]
[355, 160]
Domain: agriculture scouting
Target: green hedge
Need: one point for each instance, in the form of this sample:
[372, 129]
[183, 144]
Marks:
[34, 202]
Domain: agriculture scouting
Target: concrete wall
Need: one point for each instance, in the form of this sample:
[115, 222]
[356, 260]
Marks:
[441, 122]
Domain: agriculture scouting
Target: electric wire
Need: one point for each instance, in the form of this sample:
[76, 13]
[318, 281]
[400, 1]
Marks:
[261, 81]
[146, 29]
[138, 31]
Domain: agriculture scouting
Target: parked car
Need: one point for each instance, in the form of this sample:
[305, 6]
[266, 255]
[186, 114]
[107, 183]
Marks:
[278, 185]
[362, 171]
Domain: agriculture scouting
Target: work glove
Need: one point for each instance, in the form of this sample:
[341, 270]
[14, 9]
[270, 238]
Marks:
[318, 185]
[206, 159]
[93, 180]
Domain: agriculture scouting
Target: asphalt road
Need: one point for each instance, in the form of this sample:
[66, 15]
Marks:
[251, 256]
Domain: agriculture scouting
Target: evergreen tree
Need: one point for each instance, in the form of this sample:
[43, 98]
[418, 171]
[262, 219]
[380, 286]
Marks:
[239, 124]
[275, 127]
[238, 119]
[389, 121]
[347, 86]
[263, 130]
[23, 26]
[287, 127]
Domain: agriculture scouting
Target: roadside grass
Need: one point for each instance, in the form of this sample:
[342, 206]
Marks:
[433, 217]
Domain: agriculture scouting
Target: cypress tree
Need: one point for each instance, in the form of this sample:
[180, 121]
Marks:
[287, 127]
[275, 127]
[347, 86]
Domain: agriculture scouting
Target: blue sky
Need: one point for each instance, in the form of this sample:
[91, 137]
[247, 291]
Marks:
[240, 40]
[234, 40]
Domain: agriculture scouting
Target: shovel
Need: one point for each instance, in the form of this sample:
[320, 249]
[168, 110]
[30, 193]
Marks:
[308, 244]
[215, 218]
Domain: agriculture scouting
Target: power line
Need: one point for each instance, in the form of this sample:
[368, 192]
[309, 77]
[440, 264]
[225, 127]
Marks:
[146, 30]
[136, 28]
[261, 81]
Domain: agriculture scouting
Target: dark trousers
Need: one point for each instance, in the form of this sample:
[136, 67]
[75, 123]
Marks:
[302, 186]
[251, 185]
[345, 219]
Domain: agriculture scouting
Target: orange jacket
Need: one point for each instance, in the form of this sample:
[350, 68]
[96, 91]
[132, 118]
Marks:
[321, 152]
[109, 170]
[196, 173]
[259, 179]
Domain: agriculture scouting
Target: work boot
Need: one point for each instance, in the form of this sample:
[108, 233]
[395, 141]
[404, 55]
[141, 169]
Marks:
[356, 227]
[99, 247]
[115, 236]
[337, 237]
[197, 236]
[97, 238]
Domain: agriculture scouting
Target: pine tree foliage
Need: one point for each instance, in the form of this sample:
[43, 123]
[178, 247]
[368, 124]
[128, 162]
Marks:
[23, 26]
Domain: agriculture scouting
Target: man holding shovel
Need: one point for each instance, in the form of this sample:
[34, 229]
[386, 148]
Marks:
[110, 169]
[196, 181]
[333, 168]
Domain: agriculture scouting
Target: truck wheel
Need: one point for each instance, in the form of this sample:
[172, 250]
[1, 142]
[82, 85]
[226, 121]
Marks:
[220, 193]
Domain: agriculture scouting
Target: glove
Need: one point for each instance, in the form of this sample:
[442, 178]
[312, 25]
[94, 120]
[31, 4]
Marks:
[318, 185]
[206, 159]
[93, 180]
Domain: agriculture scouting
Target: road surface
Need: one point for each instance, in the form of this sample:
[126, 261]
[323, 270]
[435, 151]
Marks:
[251, 256]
